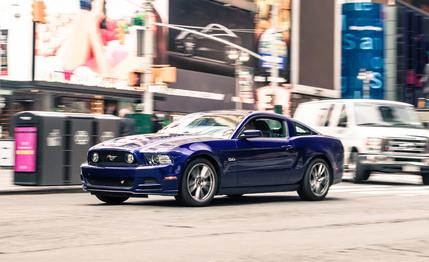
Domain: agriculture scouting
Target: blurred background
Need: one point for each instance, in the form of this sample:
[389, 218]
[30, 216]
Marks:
[101, 57]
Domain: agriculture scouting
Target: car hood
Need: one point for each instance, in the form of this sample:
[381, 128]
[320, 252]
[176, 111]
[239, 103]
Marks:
[152, 142]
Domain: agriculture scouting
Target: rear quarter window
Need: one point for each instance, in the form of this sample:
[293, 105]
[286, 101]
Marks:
[301, 130]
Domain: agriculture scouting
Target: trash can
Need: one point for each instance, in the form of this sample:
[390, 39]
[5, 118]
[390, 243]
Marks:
[106, 127]
[39, 148]
[80, 136]
[51, 146]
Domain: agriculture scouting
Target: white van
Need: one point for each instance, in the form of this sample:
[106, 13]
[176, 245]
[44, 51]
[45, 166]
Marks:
[377, 135]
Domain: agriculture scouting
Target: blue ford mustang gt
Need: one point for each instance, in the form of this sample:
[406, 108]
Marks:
[215, 153]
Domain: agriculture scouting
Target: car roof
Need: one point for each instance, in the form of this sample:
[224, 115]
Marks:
[351, 101]
[244, 113]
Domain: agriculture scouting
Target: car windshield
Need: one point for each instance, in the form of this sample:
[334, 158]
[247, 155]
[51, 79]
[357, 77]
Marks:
[217, 125]
[386, 115]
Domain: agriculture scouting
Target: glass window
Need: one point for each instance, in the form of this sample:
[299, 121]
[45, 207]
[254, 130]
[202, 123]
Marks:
[342, 122]
[268, 126]
[301, 130]
[388, 115]
[217, 125]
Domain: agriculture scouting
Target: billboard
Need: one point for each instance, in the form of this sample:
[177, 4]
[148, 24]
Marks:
[362, 50]
[192, 52]
[317, 43]
[3, 52]
[25, 149]
[268, 38]
[94, 42]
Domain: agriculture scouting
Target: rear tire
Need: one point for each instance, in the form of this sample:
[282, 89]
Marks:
[112, 200]
[316, 182]
[425, 180]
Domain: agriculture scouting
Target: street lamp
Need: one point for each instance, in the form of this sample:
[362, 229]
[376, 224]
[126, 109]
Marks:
[238, 57]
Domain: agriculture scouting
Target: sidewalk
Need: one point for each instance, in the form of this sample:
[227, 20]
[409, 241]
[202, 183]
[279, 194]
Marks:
[7, 186]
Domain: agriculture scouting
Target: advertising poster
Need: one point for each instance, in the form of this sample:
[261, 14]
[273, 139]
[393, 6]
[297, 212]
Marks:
[25, 149]
[95, 42]
[3, 53]
[266, 36]
[193, 52]
[362, 49]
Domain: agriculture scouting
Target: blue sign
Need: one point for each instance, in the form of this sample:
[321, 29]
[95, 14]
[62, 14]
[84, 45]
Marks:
[362, 49]
[270, 40]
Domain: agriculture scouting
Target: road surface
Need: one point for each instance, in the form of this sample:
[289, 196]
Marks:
[376, 221]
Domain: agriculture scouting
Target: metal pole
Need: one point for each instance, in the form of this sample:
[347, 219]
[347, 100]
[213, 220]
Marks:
[148, 57]
[274, 69]
[238, 104]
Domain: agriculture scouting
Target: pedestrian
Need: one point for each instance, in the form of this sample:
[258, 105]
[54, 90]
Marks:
[156, 125]
[127, 126]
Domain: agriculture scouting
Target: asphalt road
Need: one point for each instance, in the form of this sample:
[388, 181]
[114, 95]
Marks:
[377, 221]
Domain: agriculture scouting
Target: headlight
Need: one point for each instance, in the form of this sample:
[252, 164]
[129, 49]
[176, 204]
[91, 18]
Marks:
[129, 158]
[158, 159]
[374, 143]
[95, 157]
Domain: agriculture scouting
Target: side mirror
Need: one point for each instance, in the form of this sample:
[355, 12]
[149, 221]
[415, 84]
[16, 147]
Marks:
[251, 134]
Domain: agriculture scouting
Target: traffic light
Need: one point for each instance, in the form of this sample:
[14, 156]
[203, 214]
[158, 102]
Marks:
[121, 31]
[38, 11]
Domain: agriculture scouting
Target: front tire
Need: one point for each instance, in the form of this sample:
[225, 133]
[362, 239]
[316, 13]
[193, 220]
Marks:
[425, 180]
[316, 182]
[199, 184]
[359, 172]
[112, 200]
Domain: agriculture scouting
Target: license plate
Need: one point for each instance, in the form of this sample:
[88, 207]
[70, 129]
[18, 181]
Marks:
[409, 168]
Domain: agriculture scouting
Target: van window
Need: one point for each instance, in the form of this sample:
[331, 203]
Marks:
[317, 114]
[342, 122]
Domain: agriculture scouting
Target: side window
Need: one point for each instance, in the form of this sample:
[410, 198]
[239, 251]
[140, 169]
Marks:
[268, 126]
[301, 130]
[342, 122]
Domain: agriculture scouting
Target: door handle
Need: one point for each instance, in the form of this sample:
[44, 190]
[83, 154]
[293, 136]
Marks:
[287, 147]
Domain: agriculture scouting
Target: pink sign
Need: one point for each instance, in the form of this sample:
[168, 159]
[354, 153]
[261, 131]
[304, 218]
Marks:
[25, 149]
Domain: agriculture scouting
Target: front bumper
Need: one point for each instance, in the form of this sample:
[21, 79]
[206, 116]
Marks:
[132, 181]
[392, 163]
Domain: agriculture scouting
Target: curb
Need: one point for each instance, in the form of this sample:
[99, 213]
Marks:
[41, 190]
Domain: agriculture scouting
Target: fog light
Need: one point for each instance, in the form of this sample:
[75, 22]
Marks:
[95, 157]
[129, 158]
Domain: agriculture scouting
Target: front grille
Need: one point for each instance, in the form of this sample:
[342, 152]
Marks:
[110, 158]
[111, 181]
[407, 145]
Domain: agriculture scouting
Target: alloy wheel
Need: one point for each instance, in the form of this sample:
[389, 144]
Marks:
[201, 182]
[319, 179]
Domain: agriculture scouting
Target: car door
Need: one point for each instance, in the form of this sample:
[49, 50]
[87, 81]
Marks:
[264, 161]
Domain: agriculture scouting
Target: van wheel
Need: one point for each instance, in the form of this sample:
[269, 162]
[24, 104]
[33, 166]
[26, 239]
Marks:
[425, 179]
[361, 173]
